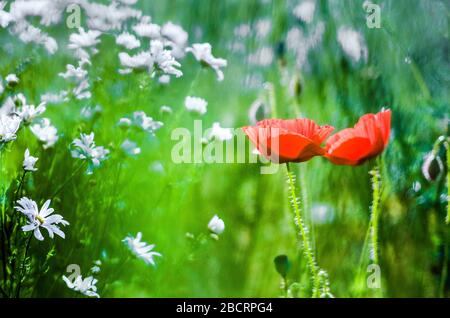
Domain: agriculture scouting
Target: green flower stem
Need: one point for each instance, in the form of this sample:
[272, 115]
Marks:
[68, 179]
[303, 233]
[376, 181]
[22, 268]
[447, 146]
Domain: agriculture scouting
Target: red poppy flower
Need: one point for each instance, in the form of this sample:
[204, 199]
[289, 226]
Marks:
[290, 140]
[367, 139]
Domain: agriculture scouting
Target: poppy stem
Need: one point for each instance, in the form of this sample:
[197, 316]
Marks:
[447, 147]
[376, 182]
[303, 232]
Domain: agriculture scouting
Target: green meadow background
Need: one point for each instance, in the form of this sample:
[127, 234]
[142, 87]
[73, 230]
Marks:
[408, 71]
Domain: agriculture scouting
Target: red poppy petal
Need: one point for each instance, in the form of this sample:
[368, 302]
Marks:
[384, 120]
[291, 147]
[348, 147]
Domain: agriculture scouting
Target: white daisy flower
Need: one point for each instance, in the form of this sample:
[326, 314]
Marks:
[203, 53]
[75, 73]
[163, 59]
[130, 147]
[141, 249]
[145, 122]
[128, 41]
[85, 286]
[195, 104]
[28, 33]
[83, 39]
[353, 44]
[30, 112]
[176, 38]
[42, 218]
[147, 29]
[55, 98]
[5, 17]
[165, 109]
[216, 225]
[164, 79]
[29, 161]
[95, 269]
[219, 133]
[305, 11]
[140, 61]
[82, 90]
[88, 112]
[85, 149]
[9, 125]
[45, 132]
[12, 80]
[124, 122]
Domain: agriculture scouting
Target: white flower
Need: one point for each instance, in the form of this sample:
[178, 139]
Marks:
[216, 225]
[124, 122]
[163, 59]
[30, 112]
[45, 132]
[130, 147]
[29, 161]
[203, 53]
[5, 17]
[263, 28]
[220, 133]
[305, 11]
[83, 39]
[72, 72]
[82, 90]
[195, 104]
[140, 61]
[9, 124]
[85, 149]
[145, 122]
[85, 286]
[165, 109]
[175, 37]
[128, 41]
[141, 249]
[352, 43]
[95, 269]
[12, 79]
[54, 98]
[164, 79]
[42, 218]
[28, 33]
[89, 112]
[148, 30]
[264, 56]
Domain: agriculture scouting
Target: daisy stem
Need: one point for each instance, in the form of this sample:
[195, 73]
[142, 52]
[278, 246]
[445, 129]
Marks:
[376, 195]
[303, 232]
[19, 284]
[3, 224]
[68, 179]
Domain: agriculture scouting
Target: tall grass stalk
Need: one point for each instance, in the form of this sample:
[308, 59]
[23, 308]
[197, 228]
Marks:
[303, 232]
